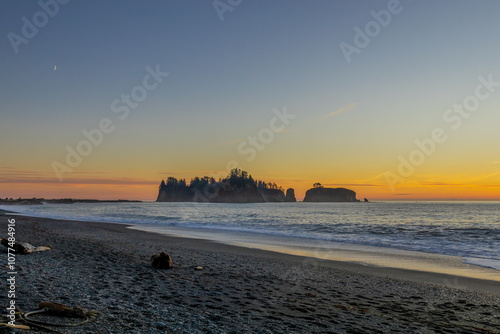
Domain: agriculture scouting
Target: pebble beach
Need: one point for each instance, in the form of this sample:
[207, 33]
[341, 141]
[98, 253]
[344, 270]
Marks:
[216, 288]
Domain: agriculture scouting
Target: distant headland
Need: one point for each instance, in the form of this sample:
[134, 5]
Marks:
[36, 201]
[240, 187]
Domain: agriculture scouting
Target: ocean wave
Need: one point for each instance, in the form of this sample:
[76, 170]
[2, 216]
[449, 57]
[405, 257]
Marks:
[468, 230]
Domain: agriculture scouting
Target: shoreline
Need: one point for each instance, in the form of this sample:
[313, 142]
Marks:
[470, 283]
[414, 265]
[361, 255]
[425, 276]
[106, 267]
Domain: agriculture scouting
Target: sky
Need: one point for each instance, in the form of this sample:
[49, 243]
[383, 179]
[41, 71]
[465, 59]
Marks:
[396, 100]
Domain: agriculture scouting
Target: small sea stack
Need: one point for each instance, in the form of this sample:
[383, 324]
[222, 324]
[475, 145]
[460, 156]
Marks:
[290, 195]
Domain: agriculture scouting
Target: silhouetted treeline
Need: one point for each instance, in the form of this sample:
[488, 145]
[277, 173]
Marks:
[237, 177]
[238, 186]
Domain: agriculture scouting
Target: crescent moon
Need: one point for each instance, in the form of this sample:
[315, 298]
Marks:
[55, 67]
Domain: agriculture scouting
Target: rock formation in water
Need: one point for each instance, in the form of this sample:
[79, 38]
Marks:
[320, 194]
[272, 195]
[290, 195]
[237, 187]
[174, 191]
[240, 187]
[230, 193]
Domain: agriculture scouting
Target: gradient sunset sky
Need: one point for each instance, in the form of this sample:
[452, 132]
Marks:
[355, 120]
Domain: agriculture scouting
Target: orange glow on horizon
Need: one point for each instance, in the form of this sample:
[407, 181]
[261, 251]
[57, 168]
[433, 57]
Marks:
[148, 191]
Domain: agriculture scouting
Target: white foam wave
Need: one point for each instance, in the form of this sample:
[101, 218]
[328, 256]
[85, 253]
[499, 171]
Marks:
[482, 262]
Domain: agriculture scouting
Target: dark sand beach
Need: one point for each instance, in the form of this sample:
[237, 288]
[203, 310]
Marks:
[106, 267]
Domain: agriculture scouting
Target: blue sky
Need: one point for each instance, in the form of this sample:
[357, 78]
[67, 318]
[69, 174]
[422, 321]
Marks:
[227, 76]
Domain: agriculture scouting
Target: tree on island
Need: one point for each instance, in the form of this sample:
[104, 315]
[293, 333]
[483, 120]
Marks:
[268, 185]
[317, 185]
[207, 186]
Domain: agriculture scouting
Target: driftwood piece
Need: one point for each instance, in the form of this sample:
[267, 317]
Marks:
[24, 248]
[63, 310]
[14, 326]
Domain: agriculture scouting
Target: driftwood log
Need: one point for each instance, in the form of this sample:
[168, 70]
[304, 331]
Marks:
[24, 247]
[63, 310]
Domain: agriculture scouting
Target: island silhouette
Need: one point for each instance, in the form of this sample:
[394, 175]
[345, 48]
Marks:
[240, 187]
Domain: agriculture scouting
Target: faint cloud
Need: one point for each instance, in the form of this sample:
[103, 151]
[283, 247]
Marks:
[12, 175]
[439, 184]
[352, 185]
[341, 110]
[376, 181]
[464, 181]
[83, 181]
[488, 176]
[7, 173]
[284, 180]
[378, 177]
[433, 176]
[404, 194]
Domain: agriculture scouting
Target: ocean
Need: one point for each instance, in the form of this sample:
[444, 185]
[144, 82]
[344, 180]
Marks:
[470, 230]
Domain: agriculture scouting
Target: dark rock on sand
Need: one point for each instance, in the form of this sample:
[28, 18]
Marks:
[290, 195]
[365, 200]
[23, 248]
[162, 261]
[321, 194]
